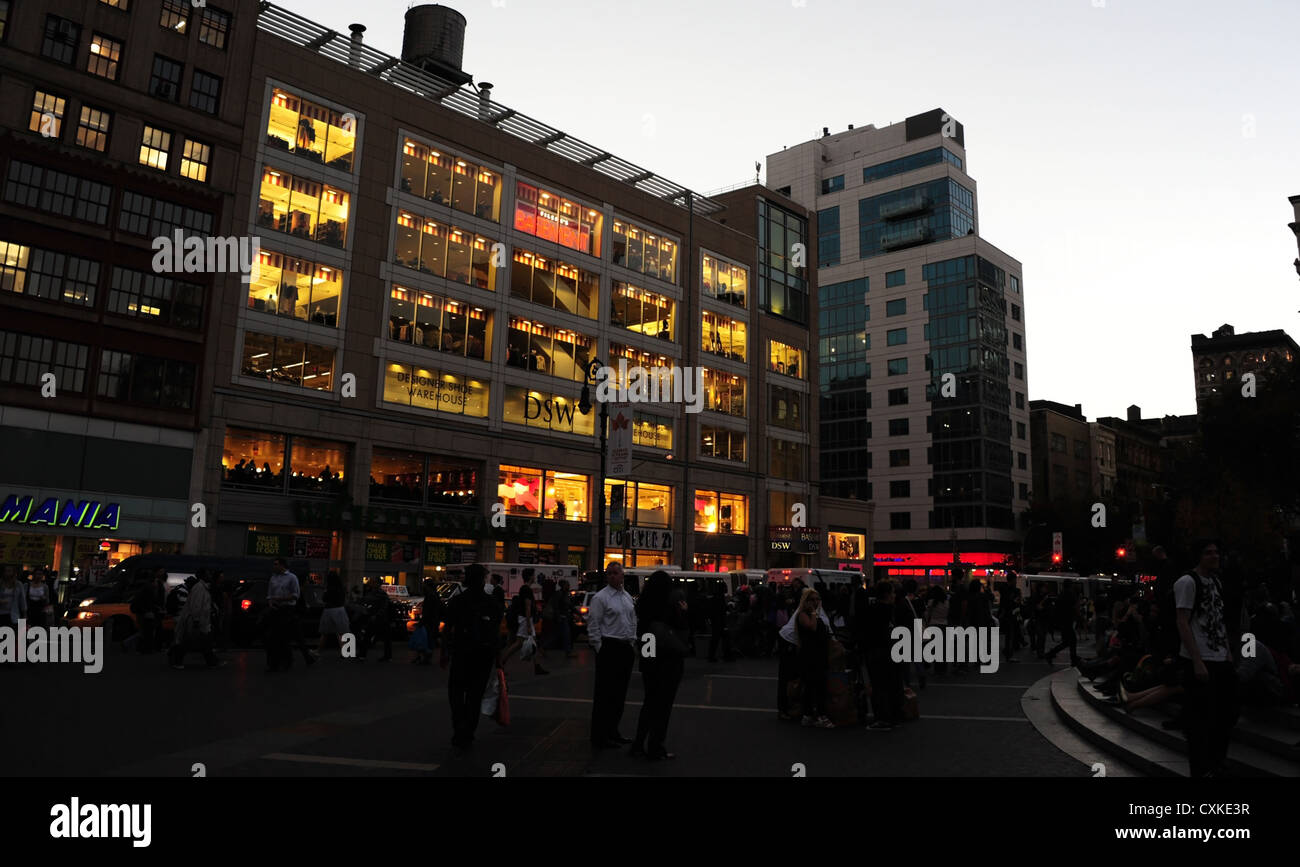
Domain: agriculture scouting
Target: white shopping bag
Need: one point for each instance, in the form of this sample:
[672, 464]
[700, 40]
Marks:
[489, 703]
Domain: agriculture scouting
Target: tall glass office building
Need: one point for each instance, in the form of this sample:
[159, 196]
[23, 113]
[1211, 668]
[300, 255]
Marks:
[921, 344]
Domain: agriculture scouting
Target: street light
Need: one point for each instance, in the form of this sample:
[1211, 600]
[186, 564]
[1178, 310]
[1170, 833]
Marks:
[584, 406]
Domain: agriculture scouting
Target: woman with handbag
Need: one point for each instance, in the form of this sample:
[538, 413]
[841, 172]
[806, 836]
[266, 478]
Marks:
[660, 616]
[522, 628]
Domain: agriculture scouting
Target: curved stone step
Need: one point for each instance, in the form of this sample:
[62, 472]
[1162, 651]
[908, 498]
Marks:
[1150, 757]
[1244, 758]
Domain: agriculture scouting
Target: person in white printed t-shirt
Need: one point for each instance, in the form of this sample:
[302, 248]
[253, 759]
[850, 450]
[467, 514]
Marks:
[1211, 706]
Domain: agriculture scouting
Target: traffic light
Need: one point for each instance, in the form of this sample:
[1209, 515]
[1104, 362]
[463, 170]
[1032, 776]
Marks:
[1121, 553]
[1056, 559]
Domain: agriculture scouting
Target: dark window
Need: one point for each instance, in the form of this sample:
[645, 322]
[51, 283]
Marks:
[896, 336]
[1020, 370]
[146, 380]
[57, 192]
[1015, 312]
[831, 185]
[1081, 448]
[910, 163]
[896, 278]
[1020, 400]
[1020, 430]
[901, 488]
[900, 520]
[205, 92]
[1022, 460]
[4, 18]
[135, 213]
[899, 427]
[24, 358]
[105, 52]
[1017, 341]
[213, 27]
[61, 37]
[897, 396]
[897, 307]
[897, 366]
[1024, 491]
[165, 81]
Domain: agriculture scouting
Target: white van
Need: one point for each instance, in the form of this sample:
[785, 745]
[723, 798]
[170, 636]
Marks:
[512, 574]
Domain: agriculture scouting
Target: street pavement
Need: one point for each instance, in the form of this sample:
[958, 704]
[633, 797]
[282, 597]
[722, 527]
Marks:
[139, 717]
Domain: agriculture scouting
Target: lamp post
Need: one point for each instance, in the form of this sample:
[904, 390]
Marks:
[584, 406]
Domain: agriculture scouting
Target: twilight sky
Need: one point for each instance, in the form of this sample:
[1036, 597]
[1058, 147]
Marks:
[1135, 155]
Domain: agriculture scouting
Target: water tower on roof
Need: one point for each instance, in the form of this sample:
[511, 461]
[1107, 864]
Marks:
[434, 40]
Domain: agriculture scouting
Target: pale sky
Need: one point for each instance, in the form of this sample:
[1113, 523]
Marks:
[1135, 155]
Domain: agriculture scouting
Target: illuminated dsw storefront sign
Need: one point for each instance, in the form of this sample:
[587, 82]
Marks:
[87, 514]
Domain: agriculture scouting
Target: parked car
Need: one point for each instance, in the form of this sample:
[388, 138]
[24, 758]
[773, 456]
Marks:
[250, 606]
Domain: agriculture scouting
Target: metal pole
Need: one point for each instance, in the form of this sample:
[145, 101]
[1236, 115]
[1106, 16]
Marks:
[600, 519]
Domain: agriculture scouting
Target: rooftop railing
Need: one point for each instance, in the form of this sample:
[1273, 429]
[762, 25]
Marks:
[466, 100]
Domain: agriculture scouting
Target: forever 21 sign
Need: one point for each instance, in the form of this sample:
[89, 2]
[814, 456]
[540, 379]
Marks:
[641, 539]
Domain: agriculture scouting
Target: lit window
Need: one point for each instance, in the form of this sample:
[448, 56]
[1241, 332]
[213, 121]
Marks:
[554, 218]
[446, 179]
[287, 361]
[47, 114]
[116, 4]
[555, 284]
[4, 17]
[642, 311]
[652, 431]
[785, 359]
[104, 54]
[194, 161]
[721, 513]
[303, 207]
[722, 280]
[175, 15]
[154, 147]
[214, 25]
[311, 131]
[92, 129]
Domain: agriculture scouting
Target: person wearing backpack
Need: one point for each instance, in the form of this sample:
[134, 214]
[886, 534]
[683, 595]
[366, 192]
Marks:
[1211, 705]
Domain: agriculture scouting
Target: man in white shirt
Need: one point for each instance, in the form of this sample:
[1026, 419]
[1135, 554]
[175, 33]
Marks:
[611, 632]
[282, 593]
[1211, 706]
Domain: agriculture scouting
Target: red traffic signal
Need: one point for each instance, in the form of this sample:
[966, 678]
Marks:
[1121, 553]
[1056, 558]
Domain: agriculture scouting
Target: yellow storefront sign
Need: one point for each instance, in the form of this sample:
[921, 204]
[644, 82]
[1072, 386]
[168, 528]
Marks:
[31, 549]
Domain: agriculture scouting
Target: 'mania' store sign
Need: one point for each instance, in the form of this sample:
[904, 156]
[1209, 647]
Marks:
[87, 514]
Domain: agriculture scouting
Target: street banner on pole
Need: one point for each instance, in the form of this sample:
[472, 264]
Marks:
[619, 447]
